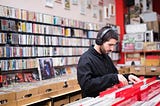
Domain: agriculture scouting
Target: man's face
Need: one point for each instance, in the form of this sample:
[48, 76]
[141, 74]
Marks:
[108, 46]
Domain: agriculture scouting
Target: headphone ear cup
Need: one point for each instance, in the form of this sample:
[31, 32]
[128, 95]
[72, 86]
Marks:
[99, 41]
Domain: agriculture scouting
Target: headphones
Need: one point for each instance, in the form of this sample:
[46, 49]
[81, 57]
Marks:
[99, 40]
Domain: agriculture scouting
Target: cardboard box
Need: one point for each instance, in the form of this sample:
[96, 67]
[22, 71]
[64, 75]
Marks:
[7, 95]
[13, 103]
[158, 70]
[152, 70]
[60, 101]
[30, 100]
[7, 98]
[47, 88]
[77, 87]
[66, 84]
[75, 97]
[138, 70]
[123, 70]
[72, 82]
[27, 93]
[63, 87]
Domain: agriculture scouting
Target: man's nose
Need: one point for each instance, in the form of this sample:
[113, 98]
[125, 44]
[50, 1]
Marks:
[112, 48]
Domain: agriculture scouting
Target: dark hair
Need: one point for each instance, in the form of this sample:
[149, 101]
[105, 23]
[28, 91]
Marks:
[106, 33]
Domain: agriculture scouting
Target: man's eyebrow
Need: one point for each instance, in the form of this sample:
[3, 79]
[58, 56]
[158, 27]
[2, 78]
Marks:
[112, 43]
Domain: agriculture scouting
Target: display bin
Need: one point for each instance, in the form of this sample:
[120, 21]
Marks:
[153, 70]
[72, 82]
[138, 70]
[61, 100]
[7, 98]
[75, 96]
[27, 93]
[29, 101]
[124, 69]
[47, 88]
[65, 86]
[13, 103]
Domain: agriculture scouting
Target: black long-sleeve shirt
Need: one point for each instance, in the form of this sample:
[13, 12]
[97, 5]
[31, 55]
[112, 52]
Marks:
[95, 73]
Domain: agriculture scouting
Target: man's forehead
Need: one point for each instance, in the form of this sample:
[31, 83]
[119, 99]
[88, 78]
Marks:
[113, 41]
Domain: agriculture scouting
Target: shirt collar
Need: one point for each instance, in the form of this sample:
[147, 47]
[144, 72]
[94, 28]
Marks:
[95, 52]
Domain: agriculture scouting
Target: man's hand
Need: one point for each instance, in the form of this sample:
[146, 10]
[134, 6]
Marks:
[122, 79]
[133, 79]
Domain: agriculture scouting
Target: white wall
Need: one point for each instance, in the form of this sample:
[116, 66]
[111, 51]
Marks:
[112, 19]
[58, 9]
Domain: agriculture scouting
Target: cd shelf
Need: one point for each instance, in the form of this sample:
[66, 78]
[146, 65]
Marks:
[27, 35]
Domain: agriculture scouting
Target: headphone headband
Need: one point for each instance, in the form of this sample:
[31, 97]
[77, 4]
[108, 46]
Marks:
[104, 32]
[99, 40]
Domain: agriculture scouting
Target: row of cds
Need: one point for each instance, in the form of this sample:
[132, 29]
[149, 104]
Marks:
[24, 39]
[17, 64]
[28, 27]
[17, 51]
[11, 12]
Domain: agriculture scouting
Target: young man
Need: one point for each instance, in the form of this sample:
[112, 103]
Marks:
[96, 71]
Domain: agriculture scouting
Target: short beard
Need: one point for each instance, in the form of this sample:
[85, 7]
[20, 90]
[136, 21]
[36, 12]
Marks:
[102, 50]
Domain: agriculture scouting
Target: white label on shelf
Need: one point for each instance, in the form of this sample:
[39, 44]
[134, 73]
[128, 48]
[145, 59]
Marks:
[153, 68]
[137, 68]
